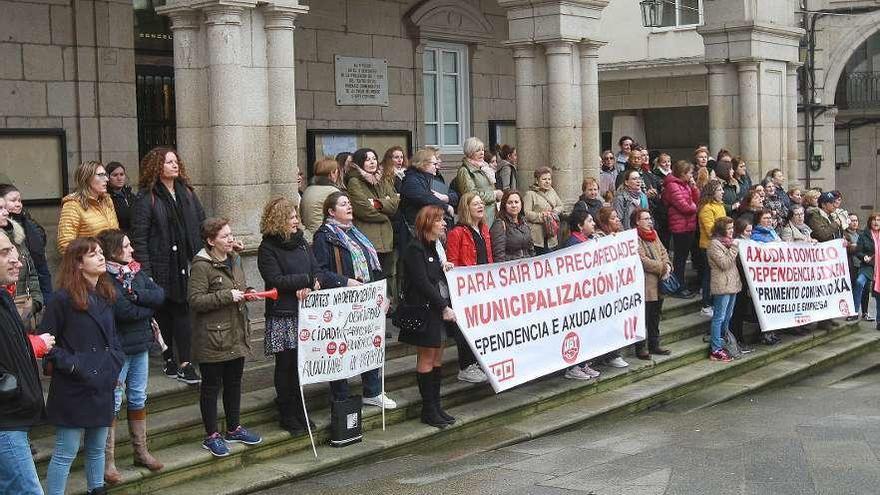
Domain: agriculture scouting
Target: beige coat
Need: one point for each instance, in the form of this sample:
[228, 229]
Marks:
[656, 262]
[723, 274]
[535, 203]
[312, 203]
[374, 223]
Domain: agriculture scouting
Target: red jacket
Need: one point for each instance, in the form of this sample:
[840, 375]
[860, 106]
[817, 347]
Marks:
[460, 248]
[681, 198]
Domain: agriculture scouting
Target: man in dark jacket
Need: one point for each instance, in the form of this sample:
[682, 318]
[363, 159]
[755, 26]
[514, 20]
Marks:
[21, 395]
[820, 221]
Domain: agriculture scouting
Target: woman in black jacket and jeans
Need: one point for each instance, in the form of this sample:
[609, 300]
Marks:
[137, 297]
[286, 263]
[426, 286]
[165, 233]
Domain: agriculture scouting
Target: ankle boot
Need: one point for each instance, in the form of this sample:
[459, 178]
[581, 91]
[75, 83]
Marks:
[287, 420]
[297, 407]
[111, 474]
[430, 416]
[437, 377]
[97, 491]
[137, 427]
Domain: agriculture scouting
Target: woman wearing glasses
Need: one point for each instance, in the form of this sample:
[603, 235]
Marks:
[88, 210]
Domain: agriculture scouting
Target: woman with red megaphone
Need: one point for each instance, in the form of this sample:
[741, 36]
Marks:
[287, 264]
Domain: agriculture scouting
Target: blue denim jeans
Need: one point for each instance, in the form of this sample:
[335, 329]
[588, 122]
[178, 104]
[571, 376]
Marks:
[371, 384]
[722, 311]
[17, 471]
[66, 447]
[133, 381]
[861, 282]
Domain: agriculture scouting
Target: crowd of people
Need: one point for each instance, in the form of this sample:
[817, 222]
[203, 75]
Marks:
[150, 269]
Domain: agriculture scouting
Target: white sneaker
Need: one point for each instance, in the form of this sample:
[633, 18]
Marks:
[590, 371]
[618, 362]
[379, 400]
[707, 311]
[472, 374]
[576, 373]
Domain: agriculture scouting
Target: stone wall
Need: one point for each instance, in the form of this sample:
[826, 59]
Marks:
[382, 29]
[70, 65]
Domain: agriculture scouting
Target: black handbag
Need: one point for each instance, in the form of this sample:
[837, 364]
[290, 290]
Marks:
[411, 318]
[345, 421]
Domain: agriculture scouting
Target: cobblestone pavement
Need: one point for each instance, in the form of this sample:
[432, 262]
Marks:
[811, 437]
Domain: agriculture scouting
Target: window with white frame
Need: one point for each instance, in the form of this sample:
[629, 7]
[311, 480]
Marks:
[445, 88]
[682, 13]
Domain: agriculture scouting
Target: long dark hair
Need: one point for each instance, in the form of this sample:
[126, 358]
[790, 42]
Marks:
[70, 277]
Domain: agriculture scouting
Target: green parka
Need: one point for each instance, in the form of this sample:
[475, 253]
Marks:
[220, 327]
[374, 223]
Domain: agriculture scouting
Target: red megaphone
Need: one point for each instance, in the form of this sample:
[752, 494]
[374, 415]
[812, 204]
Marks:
[266, 294]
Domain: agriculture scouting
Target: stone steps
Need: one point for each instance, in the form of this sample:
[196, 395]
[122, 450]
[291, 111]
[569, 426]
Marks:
[176, 418]
[185, 460]
[548, 406]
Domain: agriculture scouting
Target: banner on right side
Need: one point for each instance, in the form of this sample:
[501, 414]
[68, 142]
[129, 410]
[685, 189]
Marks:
[795, 283]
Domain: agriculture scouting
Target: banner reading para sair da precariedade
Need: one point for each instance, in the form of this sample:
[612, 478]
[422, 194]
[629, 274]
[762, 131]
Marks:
[530, 317]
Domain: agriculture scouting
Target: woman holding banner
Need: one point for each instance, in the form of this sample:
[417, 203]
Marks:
[582, 229]
[425, 287]
[725, 284]
[655, 261]
[763, 231]
[287, 264]
[511, 234]
[349, 259]
[220, 333]
[469, 244]
[867, 250]
[795, 229]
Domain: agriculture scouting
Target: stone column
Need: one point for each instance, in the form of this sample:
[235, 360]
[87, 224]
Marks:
[564, 142]
[189, 95]
[791, 123]
[235, 196]
[589, 54]
[282, 99]
[749, 116]
[723, 86]
[529, 121]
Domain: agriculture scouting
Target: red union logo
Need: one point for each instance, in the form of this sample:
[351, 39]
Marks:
[377, 341]
[328, 315]
[571, 346]
[380, 301]
[801, 320]
[342, 348]
[503, 370]
[304, 335]
[331, 348]
[844, 307]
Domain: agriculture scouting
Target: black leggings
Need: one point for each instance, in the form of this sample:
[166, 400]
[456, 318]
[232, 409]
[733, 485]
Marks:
[173, 320]
[652, 325]
[465, 354]
[286, 377]
[682, 245]
[226, 375]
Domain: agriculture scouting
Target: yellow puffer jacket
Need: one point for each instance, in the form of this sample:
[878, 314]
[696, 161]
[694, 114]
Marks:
[709, 212]
[75, 221]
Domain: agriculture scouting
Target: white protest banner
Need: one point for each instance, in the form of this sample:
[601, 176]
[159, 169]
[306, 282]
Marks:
[530, 317]
[795, 283]
[341, 332]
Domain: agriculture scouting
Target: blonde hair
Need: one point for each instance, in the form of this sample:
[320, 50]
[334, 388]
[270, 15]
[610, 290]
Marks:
[83, 179]
[811, 197]
[276, 217]
[325, 166]
[422, 159]
[464, 208]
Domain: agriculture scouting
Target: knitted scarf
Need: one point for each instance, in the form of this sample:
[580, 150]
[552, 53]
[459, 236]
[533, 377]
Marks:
[647, 235]
[124, 273]
[362, 262]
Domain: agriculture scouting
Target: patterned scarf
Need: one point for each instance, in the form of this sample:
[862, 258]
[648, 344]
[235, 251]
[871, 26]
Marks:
[362, 262]
[124, 273]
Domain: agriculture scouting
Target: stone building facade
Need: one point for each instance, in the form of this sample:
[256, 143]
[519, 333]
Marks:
[249, 82]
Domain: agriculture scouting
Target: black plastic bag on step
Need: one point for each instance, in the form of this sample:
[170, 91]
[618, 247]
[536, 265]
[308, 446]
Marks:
[345, 421]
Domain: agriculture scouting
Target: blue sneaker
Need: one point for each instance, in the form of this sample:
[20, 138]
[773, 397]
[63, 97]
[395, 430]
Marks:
[216, 445]
[241, 435]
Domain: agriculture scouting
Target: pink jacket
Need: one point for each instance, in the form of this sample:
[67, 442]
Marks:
[681, 198]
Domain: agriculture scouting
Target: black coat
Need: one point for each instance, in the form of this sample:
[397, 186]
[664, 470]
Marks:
[288, 265]
[123, 200]
[424, 273]
[325, 246]
[133, 312]
[35, 237]
[865, 247]
[86, 361]
[23, 407]
[416, 193]
[152, 238]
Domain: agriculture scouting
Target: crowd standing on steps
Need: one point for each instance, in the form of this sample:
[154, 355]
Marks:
[149, 268]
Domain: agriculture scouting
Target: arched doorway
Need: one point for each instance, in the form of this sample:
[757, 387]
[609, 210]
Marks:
[857, 127]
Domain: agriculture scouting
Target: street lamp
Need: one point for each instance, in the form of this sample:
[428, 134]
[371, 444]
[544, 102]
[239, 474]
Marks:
[652, 12]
